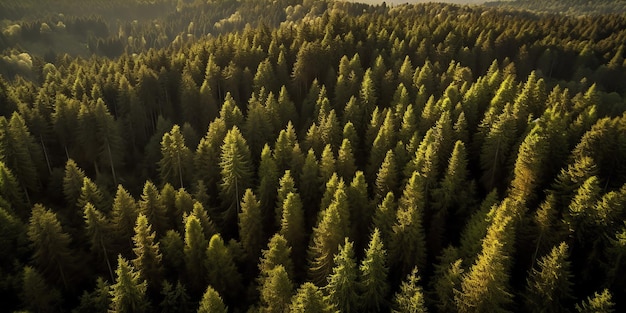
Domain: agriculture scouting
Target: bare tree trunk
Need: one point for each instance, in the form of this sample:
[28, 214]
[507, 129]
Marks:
[45, 153]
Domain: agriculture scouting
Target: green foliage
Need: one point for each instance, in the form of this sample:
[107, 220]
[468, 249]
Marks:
[212, 302]
[309, 298]
[410, 298]
[128, 294]
[373, 275]
[342, 283]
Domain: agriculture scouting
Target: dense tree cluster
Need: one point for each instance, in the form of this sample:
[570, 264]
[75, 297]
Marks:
[352, 158]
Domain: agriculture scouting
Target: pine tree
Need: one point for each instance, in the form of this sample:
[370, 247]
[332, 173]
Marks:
[96, 301]
[212, 302]
[599, 303]
[221, 270]
[124, 215]
[485, 286]
[175, 298]
[19, 152]
[410, 298]
[361, 209]
[346, 167]
[72, 182]
[98, 230]
[408, 245]
[268, 178]
[327, 164]
[147, 253]
[175, 158]
[36, 294]
[549, 287]
[129, 291]
[51, 245]
[276, 291]
[385, 217]
[195, 254]
[278, 253]
[310, 299]
[387, 177]
[172, 246]
[250, 225]
[236, 169]
[287, 186]
[342, 282]
[91, 193]
[151, 206]
[292, 225]
[373, 276]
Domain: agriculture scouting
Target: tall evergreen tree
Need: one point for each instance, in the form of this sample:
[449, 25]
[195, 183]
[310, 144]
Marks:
[129, 291]
[174, 166]
[250, 225]
[195, 255]
[276, 291]
[342, 282]
[147, 253]
[51, 246]
[411, 297]
[212, 302]
[373, 276]
[549, 287]
[309, 298]
[236, 169]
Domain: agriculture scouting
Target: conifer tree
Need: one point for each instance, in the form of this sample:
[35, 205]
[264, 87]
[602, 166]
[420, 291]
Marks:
[175, 298]
[221, 270]
[250, 225]
[360, 208]
[98, 300]
[327, 235]
[599, 302]
[147, 253]
[387, 177]
[151, 206]
[549, 287]
[212, 302]
[72, 182]
[292, 225]
[236, 169]
[276, 291]
[411, 297]
[51, 245]
[278, 252]
[408, 245]
[124, 215]
[129, 291]
[175, 158]
[91, 193]
[195, 254]
[287, 186]
[327, 164]
[346, 167]
[98, 231]
[373, 276]
[309, 298]
[342, 282]
[37, 294]
[385, 217]
[267, 187]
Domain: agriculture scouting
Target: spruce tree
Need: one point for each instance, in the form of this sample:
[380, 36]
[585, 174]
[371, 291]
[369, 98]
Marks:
[250, 225]
[373, 278]
[147, 253]
[342, 282]
[175, 158]
[51, 246]
[129, 291]
[549, 287]
[212, 302]
[276, 291]
[411, 297]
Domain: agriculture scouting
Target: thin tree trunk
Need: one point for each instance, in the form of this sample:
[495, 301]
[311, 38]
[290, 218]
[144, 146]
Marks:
[106, 257]
[45, 153]
[67, 154]
[111, 162]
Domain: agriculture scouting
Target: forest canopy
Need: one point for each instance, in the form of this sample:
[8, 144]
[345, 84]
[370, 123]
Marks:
[311, 156]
